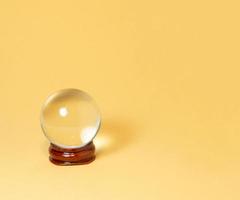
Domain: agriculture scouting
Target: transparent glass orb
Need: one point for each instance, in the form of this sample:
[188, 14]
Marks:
[70, 118]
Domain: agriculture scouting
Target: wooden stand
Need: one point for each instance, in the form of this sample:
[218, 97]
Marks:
[77, 156]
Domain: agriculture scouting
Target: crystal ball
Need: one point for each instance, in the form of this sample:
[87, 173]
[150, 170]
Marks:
[70, 118]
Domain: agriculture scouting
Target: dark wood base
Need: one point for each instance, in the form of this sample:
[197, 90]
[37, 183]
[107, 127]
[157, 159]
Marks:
[77, 156]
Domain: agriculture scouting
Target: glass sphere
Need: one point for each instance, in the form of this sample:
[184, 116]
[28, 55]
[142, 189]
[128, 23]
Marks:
[70, 118]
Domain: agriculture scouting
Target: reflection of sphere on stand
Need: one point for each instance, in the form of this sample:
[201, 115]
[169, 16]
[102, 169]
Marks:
[83, 155]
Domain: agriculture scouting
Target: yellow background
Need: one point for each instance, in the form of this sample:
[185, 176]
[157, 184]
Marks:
[166, 77]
